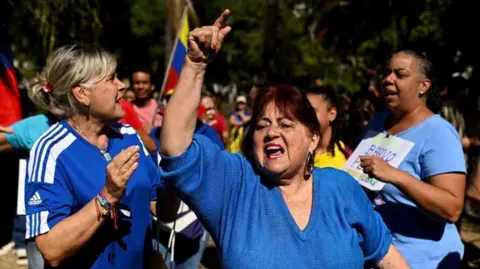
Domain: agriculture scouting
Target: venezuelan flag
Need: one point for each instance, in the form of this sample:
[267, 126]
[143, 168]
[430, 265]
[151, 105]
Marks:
[10, 108]
[178, 56]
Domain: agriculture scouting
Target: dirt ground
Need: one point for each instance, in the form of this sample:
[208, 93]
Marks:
[9, 261]
[209, 260]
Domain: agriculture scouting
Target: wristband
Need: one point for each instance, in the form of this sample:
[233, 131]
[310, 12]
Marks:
[109, 208]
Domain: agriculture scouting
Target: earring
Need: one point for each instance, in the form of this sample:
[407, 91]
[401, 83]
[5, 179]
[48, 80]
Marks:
[309, 165]
[422, 94]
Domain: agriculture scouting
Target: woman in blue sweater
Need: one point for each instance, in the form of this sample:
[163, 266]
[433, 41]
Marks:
[273, 209]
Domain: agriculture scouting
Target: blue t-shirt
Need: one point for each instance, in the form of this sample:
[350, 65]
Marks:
[424, 241]
[65, 172]
[27, 131]
[252, 225]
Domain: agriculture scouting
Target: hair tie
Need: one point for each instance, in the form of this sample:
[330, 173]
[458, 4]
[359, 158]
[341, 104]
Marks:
[47, 87]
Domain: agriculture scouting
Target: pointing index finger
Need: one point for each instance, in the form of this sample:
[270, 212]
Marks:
[220, 22]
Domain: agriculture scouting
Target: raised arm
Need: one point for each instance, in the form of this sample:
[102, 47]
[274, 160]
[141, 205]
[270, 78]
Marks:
[181, 113]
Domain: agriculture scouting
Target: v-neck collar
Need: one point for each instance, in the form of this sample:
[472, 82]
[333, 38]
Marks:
[87, 143]
[302, 234]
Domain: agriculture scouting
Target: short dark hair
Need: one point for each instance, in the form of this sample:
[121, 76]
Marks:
[142, 69]
[292, 102]
[426, 68]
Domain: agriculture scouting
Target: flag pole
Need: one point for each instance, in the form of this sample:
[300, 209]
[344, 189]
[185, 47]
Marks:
[167, 70]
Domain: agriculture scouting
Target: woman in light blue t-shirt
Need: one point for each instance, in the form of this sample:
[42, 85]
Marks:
[424, 197]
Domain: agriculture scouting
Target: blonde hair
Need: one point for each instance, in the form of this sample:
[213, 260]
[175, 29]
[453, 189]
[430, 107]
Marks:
[68, 67]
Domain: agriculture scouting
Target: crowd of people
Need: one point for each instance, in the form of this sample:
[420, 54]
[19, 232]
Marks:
[118, 179]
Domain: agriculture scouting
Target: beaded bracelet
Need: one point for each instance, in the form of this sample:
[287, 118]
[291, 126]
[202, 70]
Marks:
[109, 208]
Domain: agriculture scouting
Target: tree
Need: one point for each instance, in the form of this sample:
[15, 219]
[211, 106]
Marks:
[291, 40]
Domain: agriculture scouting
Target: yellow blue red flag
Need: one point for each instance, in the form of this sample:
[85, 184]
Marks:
[178, 56]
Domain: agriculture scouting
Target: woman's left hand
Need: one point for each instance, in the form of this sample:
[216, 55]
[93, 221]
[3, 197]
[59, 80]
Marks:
[378, 168]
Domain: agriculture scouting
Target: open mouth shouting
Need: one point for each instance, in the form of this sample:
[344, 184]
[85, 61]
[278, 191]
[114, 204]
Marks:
[273, 151]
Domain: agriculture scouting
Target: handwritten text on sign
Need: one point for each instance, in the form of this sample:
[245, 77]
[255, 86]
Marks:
[392, 149]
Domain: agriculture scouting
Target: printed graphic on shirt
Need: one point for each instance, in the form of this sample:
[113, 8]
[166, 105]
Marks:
[35, 200]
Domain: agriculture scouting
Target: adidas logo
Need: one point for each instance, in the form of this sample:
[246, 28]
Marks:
[35, 200]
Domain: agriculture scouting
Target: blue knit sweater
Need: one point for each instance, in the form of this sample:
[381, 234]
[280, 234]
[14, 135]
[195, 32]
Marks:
[252, 226]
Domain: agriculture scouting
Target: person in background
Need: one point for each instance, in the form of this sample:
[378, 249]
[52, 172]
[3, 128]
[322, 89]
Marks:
[331, 151]
[361, 113]
[131, 118]
[238, 133]
[272, 209]
[191, 238]
[82, 214]
[241, 114]
[144, 104]
[215, 119]
[424, 196]
[319, 82]
[239, 118]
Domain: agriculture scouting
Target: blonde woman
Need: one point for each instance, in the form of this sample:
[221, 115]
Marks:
[91, 184]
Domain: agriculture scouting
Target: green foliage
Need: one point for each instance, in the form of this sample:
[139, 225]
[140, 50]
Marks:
[292, 40]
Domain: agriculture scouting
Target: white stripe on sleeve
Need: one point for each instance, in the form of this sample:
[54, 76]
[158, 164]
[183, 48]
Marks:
[27, 226]
[36, 224]
[32, 232]
[44, 222]
[54, 153]
[44, 152]
[37, 145]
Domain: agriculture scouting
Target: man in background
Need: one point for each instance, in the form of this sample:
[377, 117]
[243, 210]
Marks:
[215, 119]
[144, 104]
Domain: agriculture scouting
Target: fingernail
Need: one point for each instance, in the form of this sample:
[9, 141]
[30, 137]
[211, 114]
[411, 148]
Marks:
[214, 47]
[137, 147]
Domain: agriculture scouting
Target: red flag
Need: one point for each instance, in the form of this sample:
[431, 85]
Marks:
[10, 108]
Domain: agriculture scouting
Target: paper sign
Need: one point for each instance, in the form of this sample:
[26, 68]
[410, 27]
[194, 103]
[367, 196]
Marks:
[390, 148]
